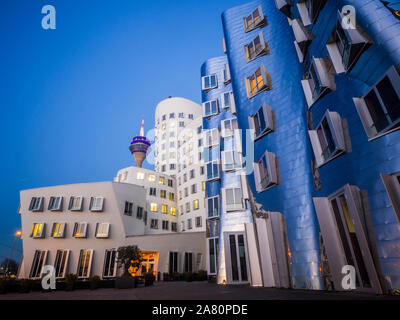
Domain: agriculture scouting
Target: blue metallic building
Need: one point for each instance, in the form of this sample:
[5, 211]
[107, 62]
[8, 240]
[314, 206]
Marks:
[316, 85]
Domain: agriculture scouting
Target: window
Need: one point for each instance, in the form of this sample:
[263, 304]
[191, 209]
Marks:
[203, 185]
[128, 208]
[266, 172]
[231, 160]
[259, 81]
[392, 185]
[233, 199]
[85, 263]
[228, 101]
[191, 174]
[190, 116]
[165, 225]
[187, 207]
[58, 230]
[182, 226]
[328, 139]
[37, 204]
[212, 207]
[152, 177]
[164, 117]
[139, 213]
[172, 196]
[55, 204]
[210, 108]
[170, 183]
[75, 204]
[254, 20]
[212, 228]
[319, 81]
[212, 246]
[153, 207]
[285, 6]
[379, 108]
[194, 188]
[38, 230]
[161, 180]
[262, 122]
[228, 127]
[153, 191]
[154, 224]
[211, 137]
[174, 227]
[189, 224]
[201, 170]
[110, 263]
[39, 260]
[345, 46]
[209, 82]
[181, 210]
[303, 37]
[212, 170]
[173, 211]
[188, 266]
[172, 115]
[80, 230]
[195, 204]
[140, 175]
[309, 10]
[163, 194]
[61, 263]
[96, 204]
[164, 208]
[198, 222]
[186, 192]
[181, 115]
[256, 48]
[226, 74]
[181, 124]
[102, 230]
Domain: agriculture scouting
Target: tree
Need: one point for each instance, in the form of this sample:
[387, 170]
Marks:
[9, 264]
[130, 259]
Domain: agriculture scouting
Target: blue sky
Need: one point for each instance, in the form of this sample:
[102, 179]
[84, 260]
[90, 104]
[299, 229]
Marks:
[72, 98]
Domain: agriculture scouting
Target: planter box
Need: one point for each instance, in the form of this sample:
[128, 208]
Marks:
[125, 283]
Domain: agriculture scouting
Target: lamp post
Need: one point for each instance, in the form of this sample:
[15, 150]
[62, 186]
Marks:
[17, 235]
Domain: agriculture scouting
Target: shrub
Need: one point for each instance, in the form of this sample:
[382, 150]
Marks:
[25, 286]
[202, 274]
[189, 276]
[70, 281]
[149, 279]
[94, 282]
[129, 257]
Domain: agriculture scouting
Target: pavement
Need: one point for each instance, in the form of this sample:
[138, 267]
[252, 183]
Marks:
[195, 291]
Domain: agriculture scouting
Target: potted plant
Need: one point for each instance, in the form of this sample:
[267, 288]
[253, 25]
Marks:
[149, 279]
[130, 259]
[70, 281]
[94, 282]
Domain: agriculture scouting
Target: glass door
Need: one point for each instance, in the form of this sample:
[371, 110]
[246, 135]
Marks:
[237, 266]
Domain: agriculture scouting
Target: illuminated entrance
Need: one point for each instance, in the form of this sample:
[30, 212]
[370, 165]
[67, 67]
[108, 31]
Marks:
[149, 264]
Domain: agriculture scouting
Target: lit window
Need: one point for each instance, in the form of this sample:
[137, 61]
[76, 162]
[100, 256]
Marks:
[36, 204]
[233, 199]
[203, 185]
[319, 81]
[209, 82]
[161, 180]
[379, 108]
[85, 263]
[163, 194]
[265, 172]
[163, 126]
[210, 108]
[38, 230]
[140, 175]
[58, 230]
[173, 211]
[164, 208]
[213, 207]
[262, 122]
[153, 207]
[75, 203]
[152, 177]
[195, 204]
[96, 204]
[187, 207]
[254, 20]
[256, 48]
[80, 230]
[102, 230]
[259, 81]
[55, 203]
[328, 139]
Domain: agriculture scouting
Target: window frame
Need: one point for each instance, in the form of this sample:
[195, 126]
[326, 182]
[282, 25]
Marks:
[213, 206]
[233, 207]
[53, 201]
[263, 48]
[72, 206]
[234, 165]
[230, 132]
[254, 25]
[34, 234]
[231, 105]
[103, 235]
[211, 114]
[214, 163]
[80, 235]
[64, 260]
[98, 208]
[269, 121]
[112, 265]
[226, 74]
[60, 234]
[88, 266]
[36, 270]
[155, 225]
[265, 83]
[203, 82]
[272, 172]
[214, 134]
[36, 204]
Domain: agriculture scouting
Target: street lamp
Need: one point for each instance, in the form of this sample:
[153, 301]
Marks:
[17, 235]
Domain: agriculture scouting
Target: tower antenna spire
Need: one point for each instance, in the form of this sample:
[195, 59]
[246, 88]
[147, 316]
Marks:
[142, 128]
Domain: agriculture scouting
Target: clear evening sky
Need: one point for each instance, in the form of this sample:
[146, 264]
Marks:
[72, 98]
